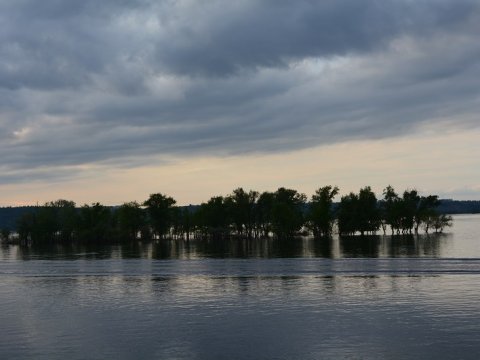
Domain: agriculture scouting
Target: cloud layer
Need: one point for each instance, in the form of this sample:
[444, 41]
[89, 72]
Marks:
[122, 82]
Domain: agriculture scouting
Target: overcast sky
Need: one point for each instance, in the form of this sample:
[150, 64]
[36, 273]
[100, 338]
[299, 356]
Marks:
[113, 100]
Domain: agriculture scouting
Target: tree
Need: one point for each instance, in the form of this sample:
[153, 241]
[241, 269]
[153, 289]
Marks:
[348, 214]
[425, 210]
[359, 213]
[410, 213]
[26, 227]
[287, 212]
[160, 213]
[130, 220]
[95, 223]
[65, 217]
[263, 214]
[54, 221]
[368, 212]
[438, 222]
[212, 218]
[391, 209]
[5, 234]
[186, 220]
[320, 213]
[242, 210]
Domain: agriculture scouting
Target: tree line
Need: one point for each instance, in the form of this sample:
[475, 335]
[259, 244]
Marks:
[249, 214]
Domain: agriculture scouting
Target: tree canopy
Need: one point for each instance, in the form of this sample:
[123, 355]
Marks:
[243, 213]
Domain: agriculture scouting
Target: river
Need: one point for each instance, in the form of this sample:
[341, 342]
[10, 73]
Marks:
[351, 298]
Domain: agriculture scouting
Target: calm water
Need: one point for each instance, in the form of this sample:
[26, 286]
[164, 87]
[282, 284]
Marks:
[373, 298]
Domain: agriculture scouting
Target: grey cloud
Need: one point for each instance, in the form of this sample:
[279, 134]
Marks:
[119, 82]
[274, 33]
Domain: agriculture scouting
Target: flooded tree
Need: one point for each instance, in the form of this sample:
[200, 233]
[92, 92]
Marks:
[241, 205]
[287, 212]
[54, 221]
[131, 219]
[320, 213]
[391, 210]
[160, 213]
[282, 214]
[95, 224]
[5, 234]
[264, 214]
[347, 214]
[213, 219]
[438, 222]
[359, 213]
[407, 213]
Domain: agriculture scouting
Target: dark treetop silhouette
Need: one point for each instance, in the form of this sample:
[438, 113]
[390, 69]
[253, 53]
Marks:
[281, 214]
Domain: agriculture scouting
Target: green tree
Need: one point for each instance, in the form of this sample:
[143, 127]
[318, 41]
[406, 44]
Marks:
[287, 212]
[320, 213]
[438, 222]
[425, 210]
[65, 218]
[130, 220]
[368, 212]
[359, 213]
[160, 213]
[348, 214]
[5, 234]
[263, 214]
[391, 209]
[54, 221]
[410, 207]
[26, 226]
[95, 223]
[186, 220]
[212, 218]
[242, 210]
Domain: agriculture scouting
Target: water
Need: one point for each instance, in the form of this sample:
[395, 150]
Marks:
[374, 298]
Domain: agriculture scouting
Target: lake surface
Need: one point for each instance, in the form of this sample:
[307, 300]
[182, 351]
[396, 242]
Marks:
[350, 298]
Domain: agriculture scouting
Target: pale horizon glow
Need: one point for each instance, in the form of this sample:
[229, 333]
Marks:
[438, 162]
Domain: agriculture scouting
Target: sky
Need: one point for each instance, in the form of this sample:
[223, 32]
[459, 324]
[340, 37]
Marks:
[114, 100]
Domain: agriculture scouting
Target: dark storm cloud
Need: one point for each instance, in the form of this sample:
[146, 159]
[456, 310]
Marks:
[273, 33]
[120, 82]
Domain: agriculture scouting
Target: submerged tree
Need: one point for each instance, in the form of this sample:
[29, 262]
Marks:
[160, 213]
[438, 222]
[368, 211]
[212, 218]
[348, 214]
[320, 215]
[391, 209]
[241, 206]
[5, 234]
[65, 217]
[426, 209]
[26, 227]
[95, 223]
[410, 204]
[283, 214]
[359, 213]
[287, 212]
[185, 221]
[54, 221]
[130, 219]
[264, 214]
[406, 214]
